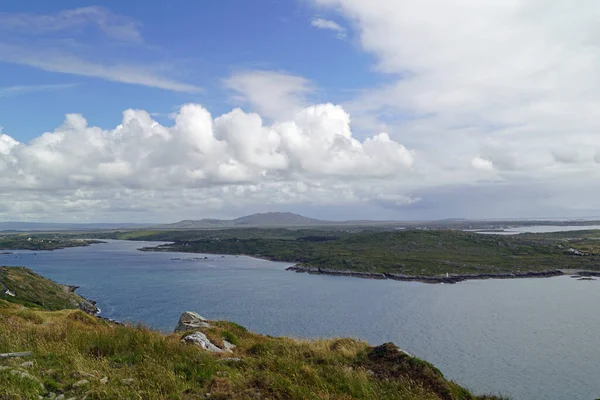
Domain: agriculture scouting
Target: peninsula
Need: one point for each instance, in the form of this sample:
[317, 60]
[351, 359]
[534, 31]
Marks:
[432, 256]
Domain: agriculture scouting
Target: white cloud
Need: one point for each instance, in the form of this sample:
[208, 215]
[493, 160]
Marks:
[232, 159]
[482, 163]
[510, 86]
[56, 61]
[322, 23]
[62, 43]
[23, 89]
[273, 94]
[113, 25]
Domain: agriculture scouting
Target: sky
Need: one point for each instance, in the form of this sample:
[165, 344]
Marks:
[116, 111]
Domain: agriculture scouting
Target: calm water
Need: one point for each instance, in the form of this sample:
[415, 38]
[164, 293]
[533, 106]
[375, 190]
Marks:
[527, 338]
[541, 229]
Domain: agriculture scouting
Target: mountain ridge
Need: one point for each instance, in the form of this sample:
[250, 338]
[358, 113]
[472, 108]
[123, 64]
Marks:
[271, 219]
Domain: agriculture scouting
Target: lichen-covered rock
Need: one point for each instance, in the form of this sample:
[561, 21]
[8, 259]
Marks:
[190, 321]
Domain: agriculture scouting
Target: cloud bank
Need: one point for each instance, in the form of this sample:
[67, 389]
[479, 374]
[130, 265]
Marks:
[496, 91]
[216, 161]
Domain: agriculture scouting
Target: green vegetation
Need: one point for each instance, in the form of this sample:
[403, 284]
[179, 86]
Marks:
[40, 242]
[32, 290]
[405, 252]
[81, 356]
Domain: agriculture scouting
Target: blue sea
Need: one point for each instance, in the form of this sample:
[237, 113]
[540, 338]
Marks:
[525, 338]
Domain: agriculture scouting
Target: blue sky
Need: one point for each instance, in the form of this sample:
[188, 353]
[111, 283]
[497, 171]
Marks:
[199, 43]
[386, 109]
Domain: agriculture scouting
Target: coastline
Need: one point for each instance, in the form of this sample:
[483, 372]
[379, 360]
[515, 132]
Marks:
[431, 279]
[86, 305]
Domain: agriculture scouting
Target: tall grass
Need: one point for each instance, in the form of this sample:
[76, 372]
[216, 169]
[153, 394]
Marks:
[139, 363]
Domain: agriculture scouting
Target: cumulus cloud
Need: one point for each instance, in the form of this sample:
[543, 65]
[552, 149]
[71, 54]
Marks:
[236, 155]
[322, 23]
[273, 94]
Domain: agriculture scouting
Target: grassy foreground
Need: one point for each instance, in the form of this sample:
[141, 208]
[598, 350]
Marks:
[81, 356]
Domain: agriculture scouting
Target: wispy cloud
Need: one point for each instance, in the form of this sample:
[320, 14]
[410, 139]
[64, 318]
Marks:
[115, 26]
[273, 94]
[322, 23]
[24, 89]
[55, 61]
[68, 45]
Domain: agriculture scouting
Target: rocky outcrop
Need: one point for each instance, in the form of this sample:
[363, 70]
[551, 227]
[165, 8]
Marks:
[85, 305]
[190, 321]
[425, 279]
[200, 339]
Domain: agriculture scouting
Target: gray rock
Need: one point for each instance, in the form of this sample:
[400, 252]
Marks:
[60, 397]
[25, 375]
[81, 383]
[128, 381]
[104, 380]
[27, 364]
[190, 321]
[4, 368]
[51, 396]
[229, 359]
[84, 374]
[228, 346]
[200, 339]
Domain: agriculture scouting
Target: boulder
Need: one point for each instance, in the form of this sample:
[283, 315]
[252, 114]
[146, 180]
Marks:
[81, 383]
[25, 375]
[190, 321]
[200, 339]
[228, 346]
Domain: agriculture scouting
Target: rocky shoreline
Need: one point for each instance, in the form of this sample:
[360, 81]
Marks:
[425, 279]
[86, 305]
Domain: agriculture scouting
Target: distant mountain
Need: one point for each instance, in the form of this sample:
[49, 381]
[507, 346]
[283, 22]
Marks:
[42, 226]
[270, 219]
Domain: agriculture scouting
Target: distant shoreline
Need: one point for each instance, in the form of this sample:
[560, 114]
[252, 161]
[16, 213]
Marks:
[431, 279]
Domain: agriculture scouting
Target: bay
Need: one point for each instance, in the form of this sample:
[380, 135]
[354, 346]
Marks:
[526, 338]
